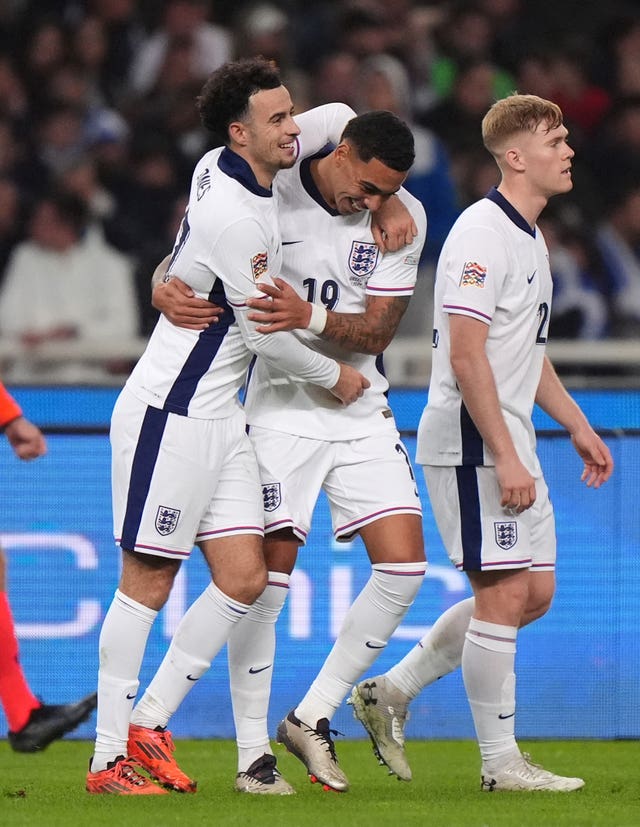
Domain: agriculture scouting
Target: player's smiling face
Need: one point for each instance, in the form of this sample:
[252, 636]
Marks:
[547, 156]
[269, 133]
[362, 185]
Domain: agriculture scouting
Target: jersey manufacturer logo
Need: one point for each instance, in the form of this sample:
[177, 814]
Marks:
[506, 534]
[203, 183]
[363, 258]
[254, 671]
[259, 265]
[271, 496]
[473, 274]
[531, 277]
[167, 520]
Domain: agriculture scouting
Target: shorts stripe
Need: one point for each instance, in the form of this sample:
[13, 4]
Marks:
[349, 529]
[144, 462]
[472, 444]
[470, 522]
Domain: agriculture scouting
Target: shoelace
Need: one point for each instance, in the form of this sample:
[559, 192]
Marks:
[167, 740]
[127, 770]
[325, 735]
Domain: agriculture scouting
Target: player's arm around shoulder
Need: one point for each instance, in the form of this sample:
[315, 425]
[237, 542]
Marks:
[401, 221]
[322, 125]
[388, 294]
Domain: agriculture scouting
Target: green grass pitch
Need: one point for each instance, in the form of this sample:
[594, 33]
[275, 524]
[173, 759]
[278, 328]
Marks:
[47, 790]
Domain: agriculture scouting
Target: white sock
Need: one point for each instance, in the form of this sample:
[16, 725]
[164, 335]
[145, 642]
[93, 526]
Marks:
[202, 632]
[251, 653]
[368, 625]
[488, 661]
[123, 639]
[438, 653]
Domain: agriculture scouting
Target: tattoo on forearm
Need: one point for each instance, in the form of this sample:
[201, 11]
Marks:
[368, 332]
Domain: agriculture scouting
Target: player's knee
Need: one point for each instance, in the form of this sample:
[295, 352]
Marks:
[251, 587]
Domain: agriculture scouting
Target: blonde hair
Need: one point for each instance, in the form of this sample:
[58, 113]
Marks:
[517, 113]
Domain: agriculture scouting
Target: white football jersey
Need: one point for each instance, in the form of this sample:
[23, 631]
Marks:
[331, 259]
[229, 240]
[495, 268]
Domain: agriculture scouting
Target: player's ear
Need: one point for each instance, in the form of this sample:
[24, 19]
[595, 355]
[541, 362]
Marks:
[238, 133]
[513, 158]
[342, 152]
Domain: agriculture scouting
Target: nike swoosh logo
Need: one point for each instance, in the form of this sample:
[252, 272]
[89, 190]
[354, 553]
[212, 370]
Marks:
[287, 243]
[130, 697]
[504, 717]
[531, 277]
[253, 671]
[191, 678]
[370, 645]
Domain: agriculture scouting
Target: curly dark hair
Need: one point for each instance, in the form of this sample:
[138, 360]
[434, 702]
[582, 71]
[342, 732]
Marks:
[225, 95]
[382, 135]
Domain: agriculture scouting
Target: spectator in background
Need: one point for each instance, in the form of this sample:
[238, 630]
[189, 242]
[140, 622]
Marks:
[384, 84]
[583, 102]
[465, 37]
[263, 29]
[57, 141]
[619, 139]
[11, 220]
[618, 241]
[145, 190]
[70, 87]
[618, 48]
[81, 178]
[44, 50]
[336, 79]
[13, 98]
[534, 75]
[32, 724]
[124, 33]
[61, 285]
[579, 309]
[209, 45]
[457, 119]
[148, 256]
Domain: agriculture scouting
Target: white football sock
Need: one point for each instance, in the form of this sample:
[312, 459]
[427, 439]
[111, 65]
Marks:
[488, 661]
[438, 653]
[251, 653]
[202, 632]
[123, 639]
[368, 625]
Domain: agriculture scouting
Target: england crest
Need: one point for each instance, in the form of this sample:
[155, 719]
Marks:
[506, 534]
[271, 496]
[363, 258]
[167, 520]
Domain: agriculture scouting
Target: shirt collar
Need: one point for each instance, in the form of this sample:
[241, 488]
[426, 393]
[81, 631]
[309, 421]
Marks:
[510, 211]
[236, 167]
[307, 178]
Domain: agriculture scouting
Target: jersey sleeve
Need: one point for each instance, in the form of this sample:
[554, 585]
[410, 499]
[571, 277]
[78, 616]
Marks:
[243, 255]
[397, 272]
[322, 125]
[474, 266]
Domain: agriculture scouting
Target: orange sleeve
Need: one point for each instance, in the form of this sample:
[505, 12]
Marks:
[9, 408]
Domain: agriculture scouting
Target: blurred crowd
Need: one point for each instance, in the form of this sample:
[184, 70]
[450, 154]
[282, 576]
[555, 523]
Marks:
[99, 133]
